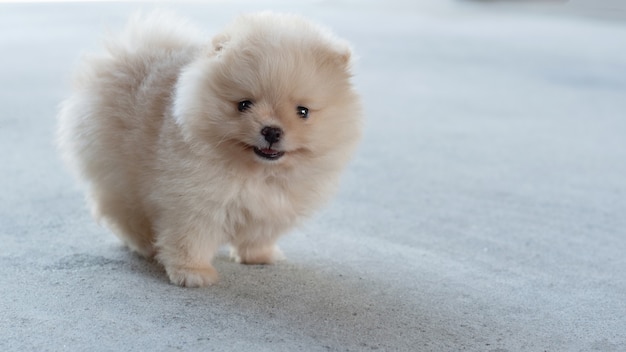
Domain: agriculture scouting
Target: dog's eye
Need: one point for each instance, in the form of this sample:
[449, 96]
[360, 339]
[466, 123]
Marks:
[244, 105]
[302, 112]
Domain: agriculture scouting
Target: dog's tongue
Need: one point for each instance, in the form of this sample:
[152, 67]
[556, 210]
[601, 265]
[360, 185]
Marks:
[268, 153]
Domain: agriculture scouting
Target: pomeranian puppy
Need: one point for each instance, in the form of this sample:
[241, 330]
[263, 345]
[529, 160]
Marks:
[188, 143]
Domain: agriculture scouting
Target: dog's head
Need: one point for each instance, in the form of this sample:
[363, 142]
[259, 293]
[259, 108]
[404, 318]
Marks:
[273, 90]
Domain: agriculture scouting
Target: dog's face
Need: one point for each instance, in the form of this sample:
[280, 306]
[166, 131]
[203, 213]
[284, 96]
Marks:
[274, 99]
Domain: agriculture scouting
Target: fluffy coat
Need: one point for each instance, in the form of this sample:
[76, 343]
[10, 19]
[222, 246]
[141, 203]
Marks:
[166, 128]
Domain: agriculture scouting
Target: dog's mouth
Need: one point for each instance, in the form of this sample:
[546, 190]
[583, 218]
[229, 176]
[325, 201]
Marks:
[268, 153]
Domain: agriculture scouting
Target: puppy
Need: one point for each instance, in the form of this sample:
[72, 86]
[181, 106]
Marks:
[188, 144]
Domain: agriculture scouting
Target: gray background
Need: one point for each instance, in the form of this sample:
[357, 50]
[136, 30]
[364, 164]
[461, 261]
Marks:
[484, 211]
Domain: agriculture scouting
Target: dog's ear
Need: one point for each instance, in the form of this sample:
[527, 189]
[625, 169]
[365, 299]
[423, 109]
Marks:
[219, 42]
[343, 55]
[338, 56]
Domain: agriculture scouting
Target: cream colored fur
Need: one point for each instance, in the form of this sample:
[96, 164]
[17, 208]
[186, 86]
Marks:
[154, 128]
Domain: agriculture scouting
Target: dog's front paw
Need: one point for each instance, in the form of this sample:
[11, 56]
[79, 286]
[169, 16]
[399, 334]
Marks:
[192, 277]
[257, 255]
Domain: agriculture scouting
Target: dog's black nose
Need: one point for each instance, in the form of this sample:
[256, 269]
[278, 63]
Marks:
[272, 134]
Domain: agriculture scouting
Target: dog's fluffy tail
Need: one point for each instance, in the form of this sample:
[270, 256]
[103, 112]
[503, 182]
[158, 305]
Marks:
[157, 29]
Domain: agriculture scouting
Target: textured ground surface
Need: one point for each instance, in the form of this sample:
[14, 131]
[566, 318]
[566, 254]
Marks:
[485, 210]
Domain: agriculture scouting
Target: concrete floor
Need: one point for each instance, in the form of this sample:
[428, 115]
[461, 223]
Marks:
[484, 211]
